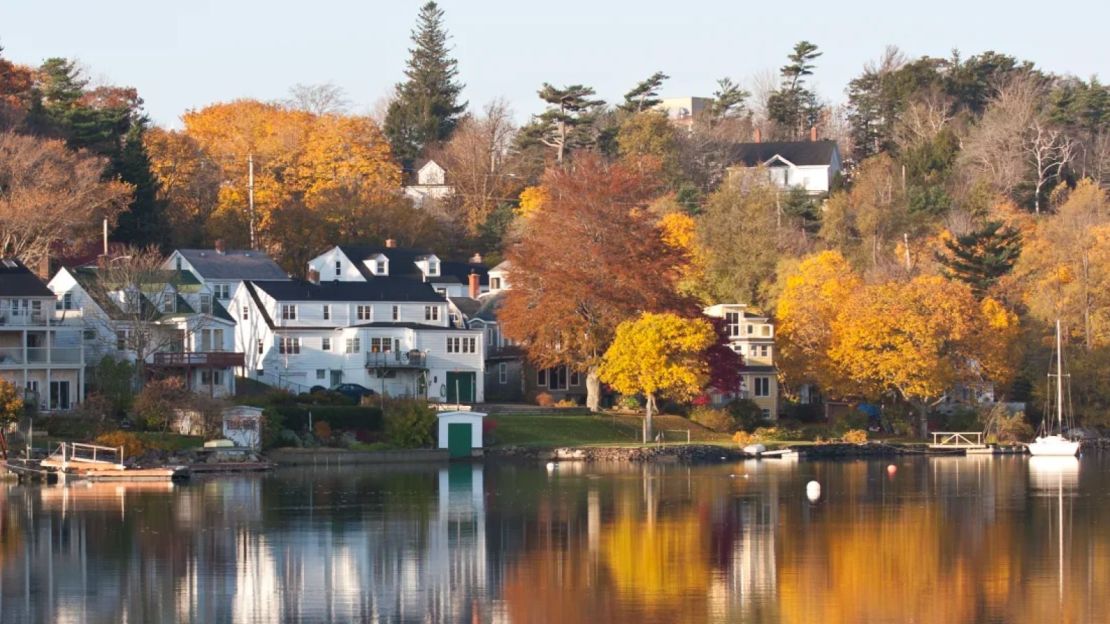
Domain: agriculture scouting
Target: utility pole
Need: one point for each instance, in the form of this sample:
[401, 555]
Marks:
[250, 195]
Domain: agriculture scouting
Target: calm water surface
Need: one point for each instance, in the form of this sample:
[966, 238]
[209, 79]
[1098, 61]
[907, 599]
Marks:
[939, 540]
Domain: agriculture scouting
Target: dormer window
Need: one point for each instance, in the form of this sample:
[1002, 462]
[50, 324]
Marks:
[379, 267]
[169, 301]
[206, 304]
[495, 283]
[433, 267]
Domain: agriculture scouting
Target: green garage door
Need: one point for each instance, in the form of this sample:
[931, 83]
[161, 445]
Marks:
[458, 439]
[461, 387]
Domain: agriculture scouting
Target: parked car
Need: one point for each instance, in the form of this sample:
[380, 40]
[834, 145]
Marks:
[354, 391]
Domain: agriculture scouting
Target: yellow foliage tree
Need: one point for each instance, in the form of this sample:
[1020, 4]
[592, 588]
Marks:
[680, 231]
[919, 338]
[11, 402]
[658, 354]
[532, 200]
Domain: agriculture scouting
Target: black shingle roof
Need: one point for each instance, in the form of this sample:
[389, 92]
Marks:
[17, 280]
[800, 153]
[402, 263]
[233, 264]
[377, 289]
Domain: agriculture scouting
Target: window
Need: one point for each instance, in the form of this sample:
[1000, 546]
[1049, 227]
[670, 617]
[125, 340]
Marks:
[288, 312]
[502, 373]
[223, 291]
[363, 312]
[764, 350]
[396, 313]
[491, 336]
[766, 414]
[217, 340]
[453, 344]
[321, 373]
[495, 283]
[121, 339]
[327, 312]
[89, 334]
[575, 379]
[431, 313]
[732, 319]
[211, 377]
[557, 378]
[65, 303]
[380, 345]
[467, 344]
[762, 386]
[168, 301]
[353, 345]
[433, 268]
[765, 330]
[325, 344]
[289, 346]
[541, 378]
[246, 312]
[206, 304]
[751, 329]
[261, 347]
[177, 263]
[379, 267]
[338, 268]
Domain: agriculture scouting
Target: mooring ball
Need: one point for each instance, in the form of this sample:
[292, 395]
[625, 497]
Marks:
[813, 491]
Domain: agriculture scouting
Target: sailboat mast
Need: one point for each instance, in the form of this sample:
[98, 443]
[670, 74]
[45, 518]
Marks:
[1059, 380]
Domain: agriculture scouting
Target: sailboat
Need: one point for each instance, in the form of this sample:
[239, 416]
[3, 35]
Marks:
[1051, 441]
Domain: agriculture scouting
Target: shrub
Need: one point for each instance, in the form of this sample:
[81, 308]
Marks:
[629, 402]
[855, 436]
[340, 417]
[131, 443]
[489, 425]
[544, 399]
[409, 423]
[743, 438]
[1014, 428]
[747, 414]
[157, 400]
[113, 379]
[322, 430]
[324, 397]
[567, 403]
[714, 419]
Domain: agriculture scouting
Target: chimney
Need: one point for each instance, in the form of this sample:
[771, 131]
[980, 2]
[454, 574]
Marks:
[314, 276]
[220, 246]
[390, 243]
[476, 259]
[813, 133]
[758, 138]
[474, 285]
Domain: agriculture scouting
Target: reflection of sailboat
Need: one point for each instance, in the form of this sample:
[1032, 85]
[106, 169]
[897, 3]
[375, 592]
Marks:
[1052, 441]
[1052, 473]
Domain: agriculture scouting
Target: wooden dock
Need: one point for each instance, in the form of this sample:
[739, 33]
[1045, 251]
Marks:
[968, 441]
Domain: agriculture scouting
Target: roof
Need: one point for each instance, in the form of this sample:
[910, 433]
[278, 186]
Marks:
[505, 265]
[801, 153]
[377, 289]
[402, 263]
[399, 325]
[490, 305]
[181, 281]
[16, 280]
[467, 306]
[236, 264]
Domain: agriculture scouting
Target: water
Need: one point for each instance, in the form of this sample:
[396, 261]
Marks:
[940, 540]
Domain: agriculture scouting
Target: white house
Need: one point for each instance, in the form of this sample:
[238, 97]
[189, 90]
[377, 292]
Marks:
[753, 337]
[431, 184]
[175, 321]
[808, 165]
[38, 353]
[682, 111]
[222, 270]
[388, 333]
[358, 263]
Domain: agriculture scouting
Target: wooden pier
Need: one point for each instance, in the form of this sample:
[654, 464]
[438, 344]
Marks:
[966, 440]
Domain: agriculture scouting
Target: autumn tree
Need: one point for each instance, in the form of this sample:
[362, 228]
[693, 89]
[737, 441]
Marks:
[50, 194]
[188, 183]
[11, 402]
[650, 136]
[568, 122]
[15, 92]
[983, 256]
[426, 107]
[589, 260]
[658, 355]
[918, 339]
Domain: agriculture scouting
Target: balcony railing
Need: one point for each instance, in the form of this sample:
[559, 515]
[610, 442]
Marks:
[10, 356]
[203, 359]
[396, 359]
[7, 317]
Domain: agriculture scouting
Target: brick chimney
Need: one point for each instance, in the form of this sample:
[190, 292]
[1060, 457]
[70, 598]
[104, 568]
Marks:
[474, 285]
[758, 136]
[813, 133]
[314, 276]
[390, 243]
[220, 246]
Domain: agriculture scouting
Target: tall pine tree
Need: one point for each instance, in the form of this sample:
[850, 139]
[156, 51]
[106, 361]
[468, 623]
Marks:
[426, 107]
[980, 257]
[793, 107]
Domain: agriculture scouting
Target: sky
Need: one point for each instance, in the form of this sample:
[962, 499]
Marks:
[185, 55]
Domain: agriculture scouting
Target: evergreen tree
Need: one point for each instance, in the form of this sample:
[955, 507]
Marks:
[568, 122]
[793, 107]
[644, 95]
[426, 107]
[728, 99]
[979, 258]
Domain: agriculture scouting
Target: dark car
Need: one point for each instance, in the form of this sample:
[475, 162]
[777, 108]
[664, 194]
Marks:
[354, 391]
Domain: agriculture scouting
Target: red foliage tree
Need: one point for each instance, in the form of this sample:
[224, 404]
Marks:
[591, 258]
[724, 363]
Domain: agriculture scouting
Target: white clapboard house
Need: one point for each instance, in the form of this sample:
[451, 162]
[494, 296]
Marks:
[222, 270]
[811, 165]
[391, 334]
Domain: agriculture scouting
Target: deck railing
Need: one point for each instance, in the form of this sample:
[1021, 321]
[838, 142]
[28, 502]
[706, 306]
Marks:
[957, 439]
[202, 359]
[396, 359]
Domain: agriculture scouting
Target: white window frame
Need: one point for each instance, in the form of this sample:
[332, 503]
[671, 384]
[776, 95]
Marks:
[396, 313]
[502, 373]
[288, 312]
[762, 386]
[354, 345]
[431, 313]
[364, 312]
[326, 311]
[325, 344]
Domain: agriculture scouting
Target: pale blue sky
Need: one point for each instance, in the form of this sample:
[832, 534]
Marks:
[183, 55]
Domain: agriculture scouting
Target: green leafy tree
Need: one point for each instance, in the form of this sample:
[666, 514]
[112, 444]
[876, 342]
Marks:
[567, 124]
[426, 107]
[793, 107]
[981, 257]
[644, 95]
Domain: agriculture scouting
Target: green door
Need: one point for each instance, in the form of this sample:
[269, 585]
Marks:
[460, 387]
[458, 439]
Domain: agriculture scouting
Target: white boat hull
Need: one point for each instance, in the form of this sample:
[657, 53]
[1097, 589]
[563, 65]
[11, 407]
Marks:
[1054, 446]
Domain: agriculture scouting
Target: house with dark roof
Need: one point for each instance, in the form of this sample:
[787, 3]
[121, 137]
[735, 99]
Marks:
[387, 330]
[39, 354]
[364, 263]
[223, 270]
[172, 321]
[808, 165]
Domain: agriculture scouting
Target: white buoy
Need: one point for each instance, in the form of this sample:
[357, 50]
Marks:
[891, 469]
[551, 466]
[813, 491]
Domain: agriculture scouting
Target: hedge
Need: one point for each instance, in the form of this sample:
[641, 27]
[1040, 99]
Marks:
[339, 417]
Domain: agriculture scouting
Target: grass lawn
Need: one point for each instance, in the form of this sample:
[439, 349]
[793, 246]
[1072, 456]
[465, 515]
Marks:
[170, 441]
[577, 428]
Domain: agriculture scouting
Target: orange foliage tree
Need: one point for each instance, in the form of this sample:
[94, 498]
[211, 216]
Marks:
[592, 258]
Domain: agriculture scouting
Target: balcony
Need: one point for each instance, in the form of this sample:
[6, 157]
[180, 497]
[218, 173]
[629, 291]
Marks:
[38, 356]
[9, 318]
[200, 359]
[397, 359]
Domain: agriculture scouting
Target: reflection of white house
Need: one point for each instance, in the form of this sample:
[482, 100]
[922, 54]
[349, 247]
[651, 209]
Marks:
[431, 183]
[808, 165]
[753, 337]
